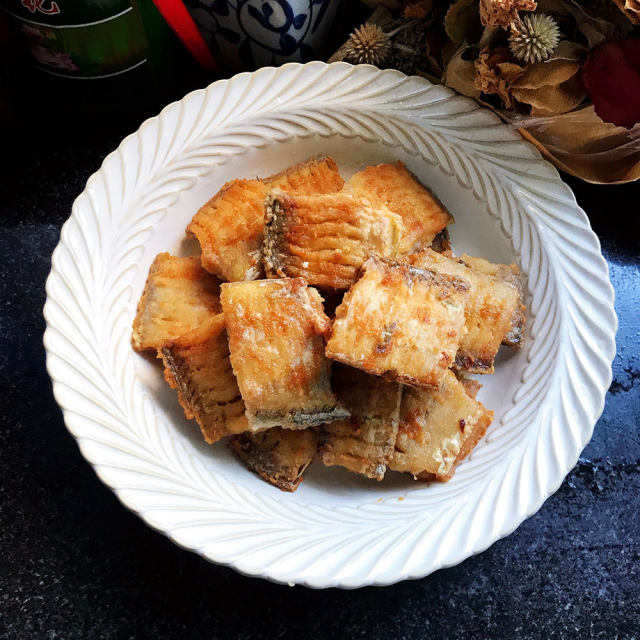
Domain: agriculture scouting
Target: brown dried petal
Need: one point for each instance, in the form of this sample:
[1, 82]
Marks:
[495, 74]
[501, 13]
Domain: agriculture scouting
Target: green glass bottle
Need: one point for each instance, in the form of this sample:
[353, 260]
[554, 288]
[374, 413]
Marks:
[98, 54]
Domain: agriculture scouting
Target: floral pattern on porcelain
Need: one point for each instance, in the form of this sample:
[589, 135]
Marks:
[253, 33]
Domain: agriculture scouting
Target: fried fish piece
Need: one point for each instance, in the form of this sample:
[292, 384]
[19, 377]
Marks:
[197, 365]
[276, 330]
[396, 187]
[317, 175]
[400, 322]
[365, 443]
[326, 238]
[510, 274]
[178, 296]
[229, 229]
[230, 226]
[438, 428]
[489, 311]
[277, 455]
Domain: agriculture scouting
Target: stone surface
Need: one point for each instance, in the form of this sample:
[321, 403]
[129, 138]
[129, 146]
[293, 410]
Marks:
[74, 563]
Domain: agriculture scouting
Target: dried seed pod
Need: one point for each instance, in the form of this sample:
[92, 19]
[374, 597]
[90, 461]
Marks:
[534, 38]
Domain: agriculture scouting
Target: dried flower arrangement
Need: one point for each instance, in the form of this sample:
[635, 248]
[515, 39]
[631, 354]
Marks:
[566, 73]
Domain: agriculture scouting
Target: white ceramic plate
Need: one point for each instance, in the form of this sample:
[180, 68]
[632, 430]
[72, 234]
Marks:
[338, 529]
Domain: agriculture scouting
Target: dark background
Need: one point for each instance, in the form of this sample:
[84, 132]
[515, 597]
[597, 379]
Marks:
[74, 563]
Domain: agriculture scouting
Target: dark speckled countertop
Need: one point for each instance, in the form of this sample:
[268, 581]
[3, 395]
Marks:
[74, 563]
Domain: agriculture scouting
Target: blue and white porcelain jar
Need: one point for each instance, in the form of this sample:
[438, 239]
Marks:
[246, 34]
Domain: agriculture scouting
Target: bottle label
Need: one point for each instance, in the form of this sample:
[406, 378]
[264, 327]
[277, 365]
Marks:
[41, 6]
[107, 39]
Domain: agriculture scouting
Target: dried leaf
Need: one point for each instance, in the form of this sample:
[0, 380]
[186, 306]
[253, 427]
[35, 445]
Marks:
[433, 48]
[382, 16]
[594, 28]
[489, 36]
[462, 22]
[551, 99]
[630, 8]
[448, 51]
[536, 75]
[581, 144]
[417, 10]
[556, 8]
[553, 86]
[564, 64]
[429, 76]
[460, 74]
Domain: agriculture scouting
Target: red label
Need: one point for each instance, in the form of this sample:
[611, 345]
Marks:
[39, 6]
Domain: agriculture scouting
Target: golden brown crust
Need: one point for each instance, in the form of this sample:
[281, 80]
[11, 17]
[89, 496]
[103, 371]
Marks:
[437, 429]
[326, 238]
[178, 296]
[400, 322]
[276, 330]
[230, 227]
[364, 443]
[229, 230]
[488, 313]
[278, 456]
[474, 436]
[319, 174]
[197, 365]
[396, 187]
[509, 274]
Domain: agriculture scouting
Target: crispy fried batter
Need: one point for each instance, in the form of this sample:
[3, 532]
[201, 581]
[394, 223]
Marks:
[230, 226]
[400, 322]
[277, 455]
[197, 364]
[438, 428]
[317, 175]
[363, 444]
[510, 274]
[488, 313]
[276, 330]
[326, 238]
[396, 187]
[229, 229]
[179, 295]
